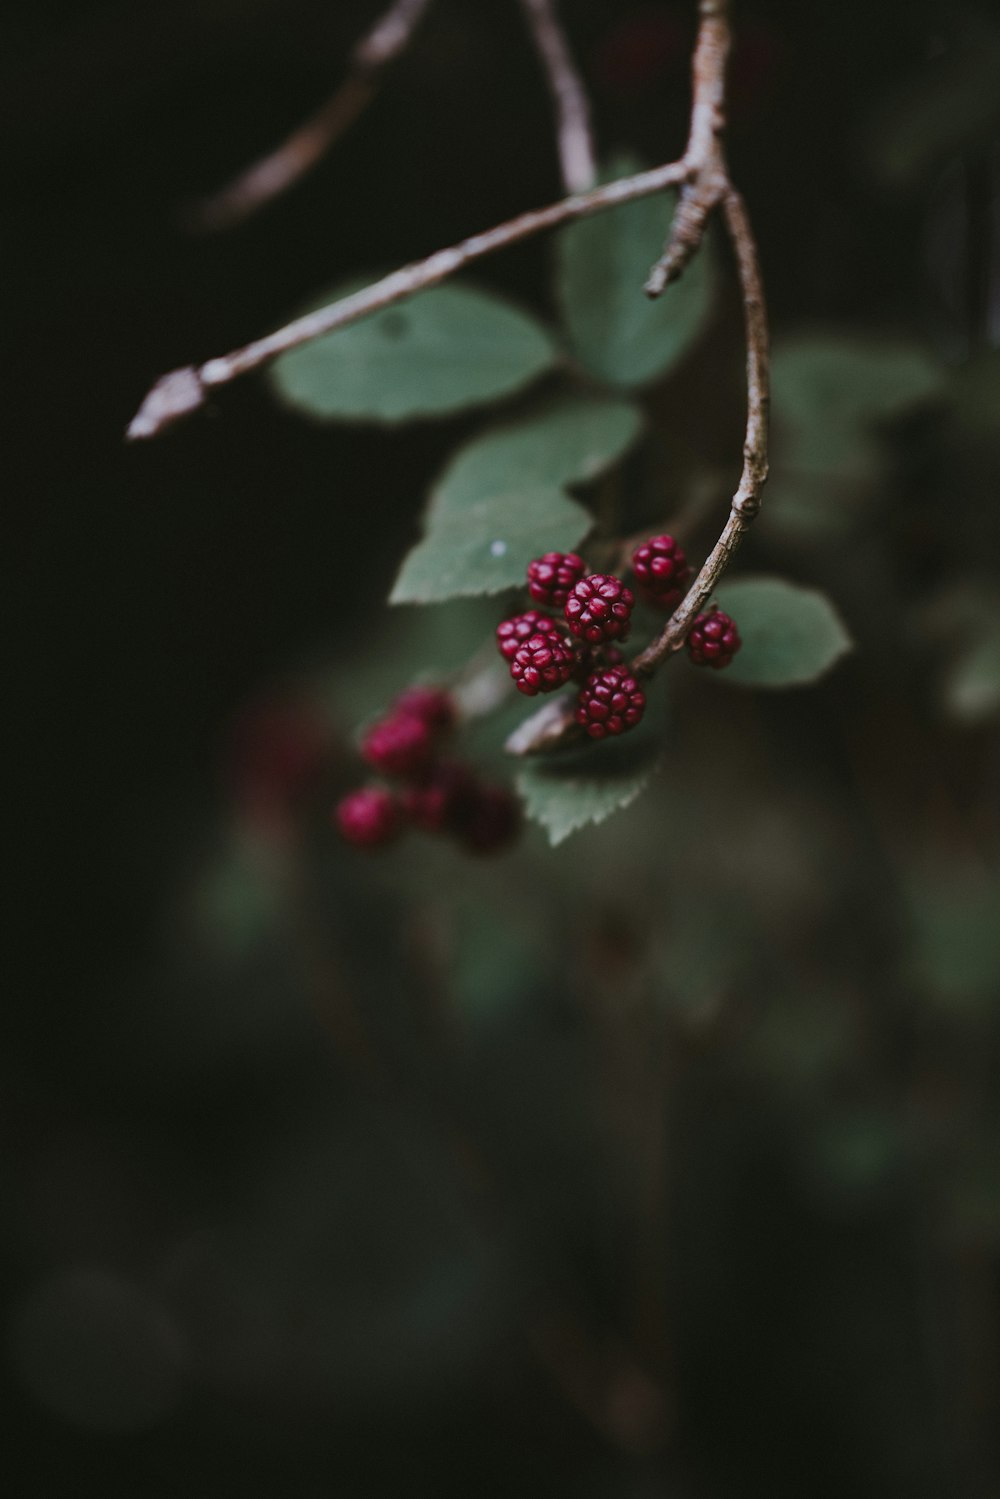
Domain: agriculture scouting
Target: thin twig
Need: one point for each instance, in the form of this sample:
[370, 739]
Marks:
[280, 169]
[746, 501]
[185, 391]
[575, 138]
[703, 156]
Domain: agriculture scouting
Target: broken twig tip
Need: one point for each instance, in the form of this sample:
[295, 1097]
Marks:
[172, 398]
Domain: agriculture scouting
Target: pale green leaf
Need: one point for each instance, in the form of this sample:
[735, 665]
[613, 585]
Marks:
[569, 440]
[441, 351]
[486, 548]
[972, 687]
[565, 792]
[602, 265]
[791, 635]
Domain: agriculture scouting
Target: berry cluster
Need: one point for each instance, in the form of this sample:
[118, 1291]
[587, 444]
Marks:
[597, 610]
[435, 794]
[544, 653]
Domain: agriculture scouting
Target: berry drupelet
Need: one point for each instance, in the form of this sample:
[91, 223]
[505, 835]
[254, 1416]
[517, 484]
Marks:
[661, 572]
[714, 639]
[514, 632]
[599, 608]
[369, 818]
[551, 577]
[543, 663]
[610, 703]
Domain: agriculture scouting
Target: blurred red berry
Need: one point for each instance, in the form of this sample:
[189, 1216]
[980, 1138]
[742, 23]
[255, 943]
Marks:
[400, 745]
[369, 818]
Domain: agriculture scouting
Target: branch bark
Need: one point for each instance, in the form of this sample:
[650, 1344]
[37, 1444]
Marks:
[574, 135]
[280, 169]
[185, 391]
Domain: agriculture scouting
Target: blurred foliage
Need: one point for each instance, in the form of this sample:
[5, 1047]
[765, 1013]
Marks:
[663, 1162]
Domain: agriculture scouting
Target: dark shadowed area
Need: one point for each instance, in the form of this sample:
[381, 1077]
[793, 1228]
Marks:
[661, 1162]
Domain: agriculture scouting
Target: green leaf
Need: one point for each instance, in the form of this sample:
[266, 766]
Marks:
[500, 502]
[828, 392]
[441, 351]
[569, 440]
[791, 635]
[602, 265]
[567, 791]
[486, 548]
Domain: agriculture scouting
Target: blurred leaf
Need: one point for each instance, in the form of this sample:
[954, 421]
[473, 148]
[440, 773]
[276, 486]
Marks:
[602, 265]
[566, 792]
[975, 387]
[828, 392]
[441, 351]
[569, 440]
[954, 920]
[791, 635]
[954, 102]
[972, 685]
[486, 547]
[497, 963]
[856, 1155]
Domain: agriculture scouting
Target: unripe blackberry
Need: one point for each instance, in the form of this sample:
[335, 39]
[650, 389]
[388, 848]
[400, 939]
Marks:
[399, 745]
[551, 577]
[661, 571]
[714, 639]
[598, 609]
[491, 820]
[512, 633]
[610, 702]
[369, 818]
[436, 802]
[431, 704]
[543, 664]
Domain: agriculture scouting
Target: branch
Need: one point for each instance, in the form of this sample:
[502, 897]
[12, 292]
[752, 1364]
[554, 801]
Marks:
[746, 501]
[703, 156]
[576, 144]
[554, 725]
[279, 170]
[182, 392]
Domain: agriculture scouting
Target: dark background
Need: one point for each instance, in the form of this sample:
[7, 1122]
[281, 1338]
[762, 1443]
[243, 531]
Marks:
[210, 1222]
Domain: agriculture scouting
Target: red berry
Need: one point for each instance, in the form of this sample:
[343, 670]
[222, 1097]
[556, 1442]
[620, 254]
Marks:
[369, 818]
[598, 609]
[431, 704]
[543, 664]
[436, 802]
[661, 571]
[399, 745]
[512, 633]
[610, 702]
[551, 577]
[491, 820]
[714, 639]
